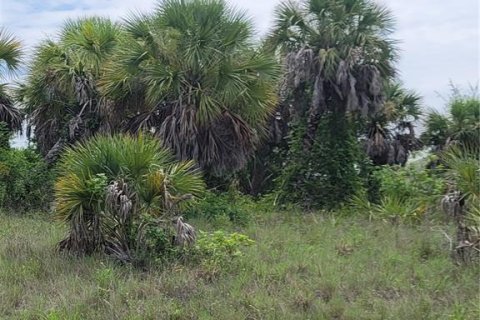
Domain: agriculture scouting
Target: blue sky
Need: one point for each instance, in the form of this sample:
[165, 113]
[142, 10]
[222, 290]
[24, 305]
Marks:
[439, 39]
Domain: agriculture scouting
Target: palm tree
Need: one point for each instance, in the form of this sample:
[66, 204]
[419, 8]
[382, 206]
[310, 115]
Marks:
[337, 55]
[10, 59]
[390, 133]
[190, 73]
[461, 125]
[110, 188]
[60, 95]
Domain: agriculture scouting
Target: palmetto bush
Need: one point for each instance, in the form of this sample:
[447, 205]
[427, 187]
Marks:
[407, 194]
[463, 172]
[111, 190]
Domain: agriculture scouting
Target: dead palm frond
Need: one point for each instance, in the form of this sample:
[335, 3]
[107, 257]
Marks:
[10, 115]
[185, 233]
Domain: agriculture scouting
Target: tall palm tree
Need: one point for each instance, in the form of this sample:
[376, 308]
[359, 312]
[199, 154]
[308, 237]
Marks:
[390, 133]
[190, 73]
[60, 94]
[337, 53]
[10, 59]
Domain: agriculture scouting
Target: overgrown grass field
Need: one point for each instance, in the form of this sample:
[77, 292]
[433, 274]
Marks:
[300, 267]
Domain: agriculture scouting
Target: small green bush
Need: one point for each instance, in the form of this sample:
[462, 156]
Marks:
[409, 183]
[405, 193]
[222, 206]
[25, 181]
[216, 250]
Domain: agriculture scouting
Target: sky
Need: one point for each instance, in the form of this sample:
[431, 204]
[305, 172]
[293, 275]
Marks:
[439, 39]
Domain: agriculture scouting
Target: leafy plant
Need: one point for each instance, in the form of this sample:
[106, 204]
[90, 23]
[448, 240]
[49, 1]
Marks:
[410, 183]
[10, 58]
[61, 94]
[329, 174]
[461, 125]
[111, 190]
[217, 250]
[219, 206]
[397, 208]
[405, 193]
[390, 134]
[463, 172]
[335, 62]
[25, 181]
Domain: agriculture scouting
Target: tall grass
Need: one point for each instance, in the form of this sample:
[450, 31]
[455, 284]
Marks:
[300, 267]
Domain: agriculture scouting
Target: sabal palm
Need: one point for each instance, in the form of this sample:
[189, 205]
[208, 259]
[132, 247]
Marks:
[10, 59]
[390, 133]
[190, 73]
[60, 95]
[461, 124]
[337, 53]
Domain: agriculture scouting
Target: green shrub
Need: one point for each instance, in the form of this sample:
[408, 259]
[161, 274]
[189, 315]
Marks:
[405, 193]
[222, 206]
[326, 176]
[409, 183]
[217, 250]
[395, 208]
[5, 135]
[25, 181]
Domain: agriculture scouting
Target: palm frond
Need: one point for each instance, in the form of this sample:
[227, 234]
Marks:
[10, 53]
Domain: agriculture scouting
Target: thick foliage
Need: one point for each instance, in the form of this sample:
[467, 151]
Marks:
[10, 58]
[463, 205]
[25, 181]
[390, 134]
[219, 207]
[110, 191]
[329, 174]
[406, 193]
[217, 250]
[189, 72]
[461, 125]
[60, 95]
[337, 55]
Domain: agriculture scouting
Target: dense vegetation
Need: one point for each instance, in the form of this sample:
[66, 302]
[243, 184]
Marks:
[293, 155]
